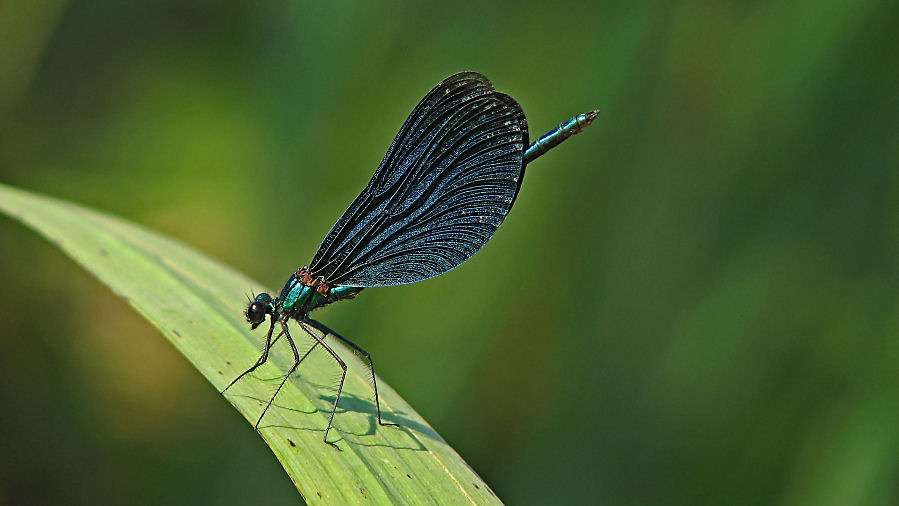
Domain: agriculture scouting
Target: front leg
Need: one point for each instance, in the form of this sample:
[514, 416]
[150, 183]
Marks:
[262, 359]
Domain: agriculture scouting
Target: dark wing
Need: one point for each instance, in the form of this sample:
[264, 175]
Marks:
[444, 186]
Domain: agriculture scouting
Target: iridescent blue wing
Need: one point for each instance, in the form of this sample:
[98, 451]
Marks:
[444, 186]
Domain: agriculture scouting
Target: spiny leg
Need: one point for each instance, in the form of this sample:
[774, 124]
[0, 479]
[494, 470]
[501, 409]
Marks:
[296, 362]
[321, 341]
[262, 359]
[371, 366]
[275, 340]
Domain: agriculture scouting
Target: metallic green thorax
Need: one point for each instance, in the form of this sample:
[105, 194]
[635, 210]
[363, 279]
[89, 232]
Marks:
[298, 299]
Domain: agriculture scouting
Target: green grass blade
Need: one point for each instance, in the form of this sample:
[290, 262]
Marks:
[196, 303]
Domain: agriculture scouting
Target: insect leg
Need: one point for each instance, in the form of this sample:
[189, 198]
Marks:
[262, 359]
[296, 362]
[275, 340]
[321, 341]
[371, 366]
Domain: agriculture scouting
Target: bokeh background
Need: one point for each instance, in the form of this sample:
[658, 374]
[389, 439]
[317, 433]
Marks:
[696, 301]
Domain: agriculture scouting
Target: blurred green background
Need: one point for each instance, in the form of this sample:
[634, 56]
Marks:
[695, 301]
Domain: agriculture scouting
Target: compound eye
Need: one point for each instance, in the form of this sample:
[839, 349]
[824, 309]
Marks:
[256, 313]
